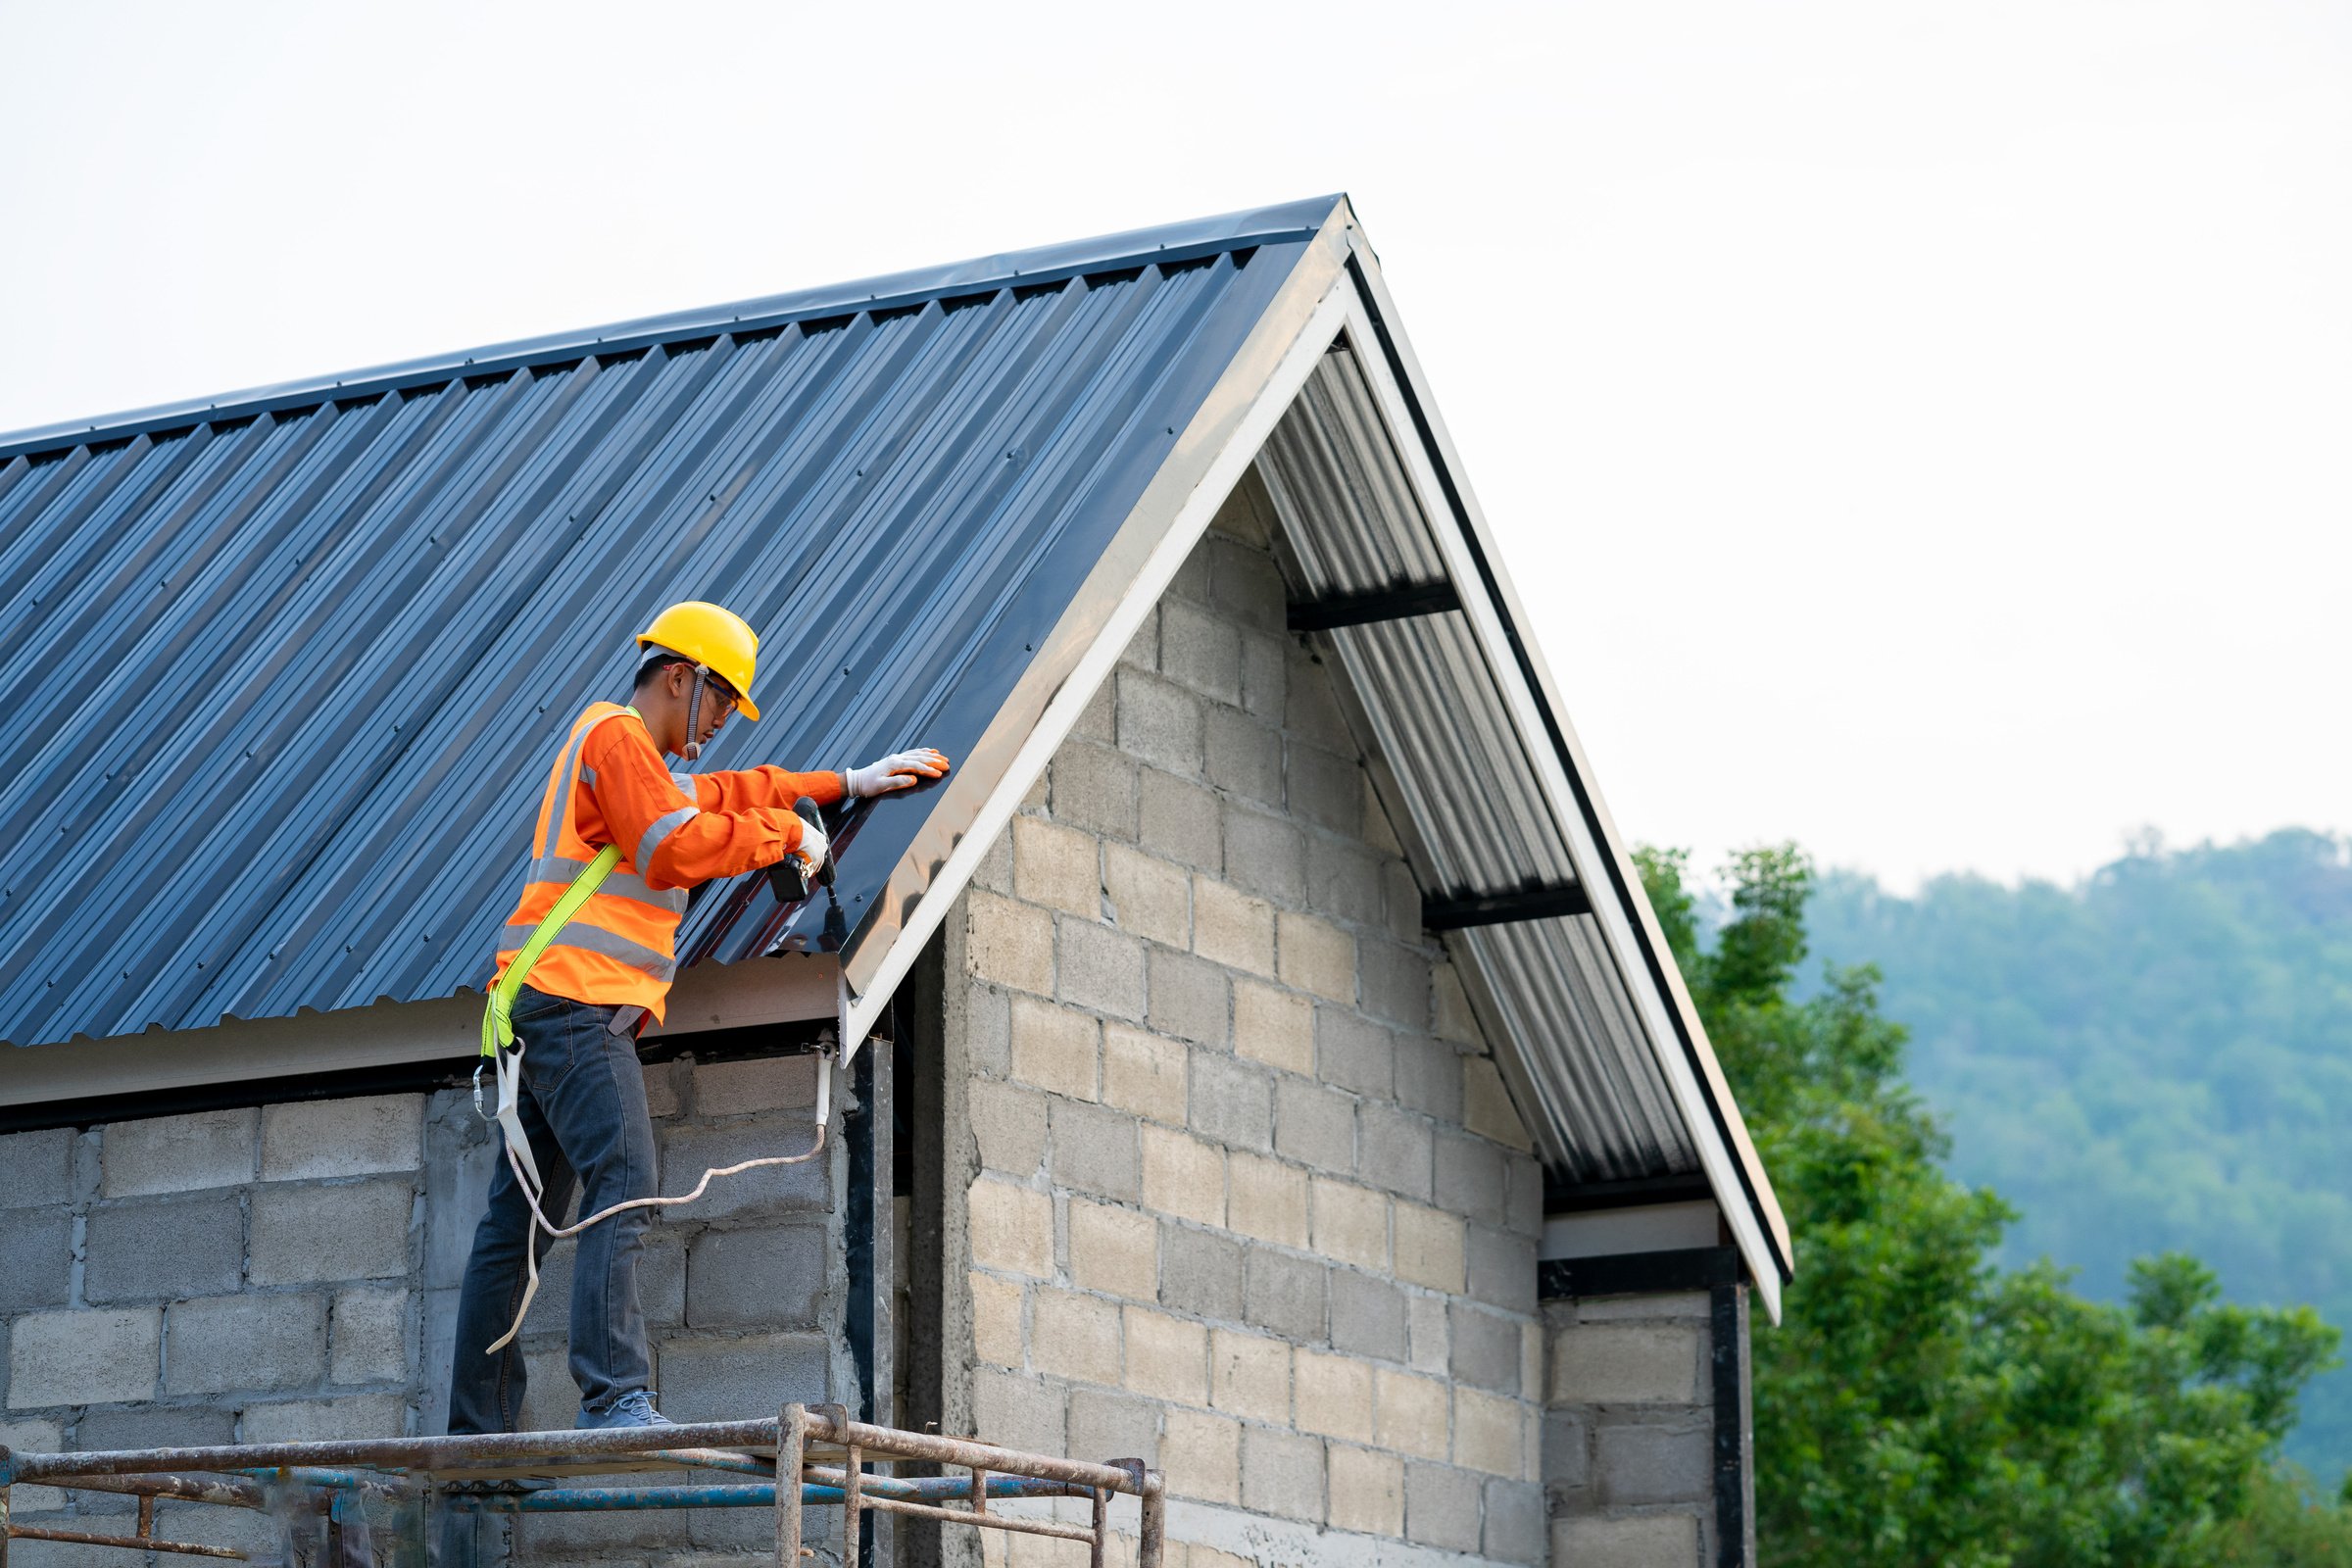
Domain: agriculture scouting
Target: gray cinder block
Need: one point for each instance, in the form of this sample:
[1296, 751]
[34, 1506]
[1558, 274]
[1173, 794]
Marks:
[256, 1342]
[771, 1278]
[158, 1251]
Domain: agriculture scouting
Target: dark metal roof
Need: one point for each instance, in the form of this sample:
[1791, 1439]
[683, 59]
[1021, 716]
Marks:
[289, 667]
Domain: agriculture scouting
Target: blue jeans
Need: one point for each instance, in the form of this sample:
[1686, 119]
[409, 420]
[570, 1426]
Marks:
[584, 1111]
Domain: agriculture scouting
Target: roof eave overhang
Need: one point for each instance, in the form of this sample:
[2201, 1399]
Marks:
[386, 1033]
[1734, 1170]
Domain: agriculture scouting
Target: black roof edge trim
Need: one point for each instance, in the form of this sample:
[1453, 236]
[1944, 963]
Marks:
[1425, 433]
[1692, 1268]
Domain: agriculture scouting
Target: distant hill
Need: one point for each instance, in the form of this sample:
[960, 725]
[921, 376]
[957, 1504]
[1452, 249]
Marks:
[2159, 1057]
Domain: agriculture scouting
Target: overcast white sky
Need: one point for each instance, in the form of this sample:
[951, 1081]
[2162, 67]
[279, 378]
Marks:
[1920, 429]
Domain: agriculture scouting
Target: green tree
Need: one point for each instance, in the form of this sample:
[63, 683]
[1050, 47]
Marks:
[1920, 1404]
[2152, 1057]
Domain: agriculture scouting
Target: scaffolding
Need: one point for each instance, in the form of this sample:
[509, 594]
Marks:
[365, 1502]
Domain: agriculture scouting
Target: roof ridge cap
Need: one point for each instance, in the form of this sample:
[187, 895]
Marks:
[1176, 241]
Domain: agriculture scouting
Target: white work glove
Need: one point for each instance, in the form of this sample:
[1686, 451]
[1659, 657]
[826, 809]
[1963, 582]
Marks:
[902, 770]
[813, 845]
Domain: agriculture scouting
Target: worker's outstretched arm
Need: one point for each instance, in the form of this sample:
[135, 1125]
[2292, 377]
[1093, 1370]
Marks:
[740, 789]
[733, 791]
[670, 839]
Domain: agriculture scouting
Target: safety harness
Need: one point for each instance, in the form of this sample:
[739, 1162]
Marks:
[498, 1029]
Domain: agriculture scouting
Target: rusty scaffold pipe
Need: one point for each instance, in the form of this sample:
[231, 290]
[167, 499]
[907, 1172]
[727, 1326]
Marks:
[509, 1473]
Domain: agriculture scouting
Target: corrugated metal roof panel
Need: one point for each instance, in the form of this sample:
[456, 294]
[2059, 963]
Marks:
[1477, 820]
[302, 661]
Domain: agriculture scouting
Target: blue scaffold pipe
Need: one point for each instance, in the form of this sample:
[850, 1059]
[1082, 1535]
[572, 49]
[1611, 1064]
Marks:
[345, 1479]
[599, 1500]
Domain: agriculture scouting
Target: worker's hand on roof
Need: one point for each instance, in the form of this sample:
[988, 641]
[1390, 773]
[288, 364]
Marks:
[901, 770]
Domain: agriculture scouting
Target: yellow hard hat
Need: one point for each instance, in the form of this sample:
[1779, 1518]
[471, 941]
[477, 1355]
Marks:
[716, 639]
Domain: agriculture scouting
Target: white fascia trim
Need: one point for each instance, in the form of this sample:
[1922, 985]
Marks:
[1527, 718]
[1615, 1232]
[1061, 715]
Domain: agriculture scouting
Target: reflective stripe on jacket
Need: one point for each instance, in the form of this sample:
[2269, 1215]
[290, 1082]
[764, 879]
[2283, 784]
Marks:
[608, 786]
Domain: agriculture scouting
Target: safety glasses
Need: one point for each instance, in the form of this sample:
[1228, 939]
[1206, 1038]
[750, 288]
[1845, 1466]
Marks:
[720, 692]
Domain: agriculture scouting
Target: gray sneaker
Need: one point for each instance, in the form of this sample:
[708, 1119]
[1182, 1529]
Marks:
[634, 1408]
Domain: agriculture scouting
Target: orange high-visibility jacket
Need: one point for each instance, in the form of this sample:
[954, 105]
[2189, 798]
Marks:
[608, 786]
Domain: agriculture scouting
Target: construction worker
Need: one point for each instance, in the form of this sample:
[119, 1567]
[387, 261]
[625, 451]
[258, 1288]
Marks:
[581, 1099]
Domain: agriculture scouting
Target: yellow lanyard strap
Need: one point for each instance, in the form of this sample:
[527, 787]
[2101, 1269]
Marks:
[496, 1032]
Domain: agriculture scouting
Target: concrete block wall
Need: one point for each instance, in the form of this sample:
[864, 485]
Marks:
[1629, 1431]
[1240, 1191]
[291, 1272]
[229, 1275]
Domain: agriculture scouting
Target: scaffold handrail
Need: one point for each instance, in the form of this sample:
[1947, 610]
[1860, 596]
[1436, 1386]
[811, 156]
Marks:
[496, 1472]
[510, 1450]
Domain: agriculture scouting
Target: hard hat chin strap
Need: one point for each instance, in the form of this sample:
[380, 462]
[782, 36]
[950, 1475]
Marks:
[692, 750]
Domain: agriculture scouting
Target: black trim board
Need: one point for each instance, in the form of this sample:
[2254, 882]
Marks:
[1452, 911]
[1563, 1195]
[1374, 605]
[1691, 1268]
[1727, 1319]
[870, 1225]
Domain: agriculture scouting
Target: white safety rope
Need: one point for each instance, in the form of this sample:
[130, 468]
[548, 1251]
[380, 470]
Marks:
[518, 1153]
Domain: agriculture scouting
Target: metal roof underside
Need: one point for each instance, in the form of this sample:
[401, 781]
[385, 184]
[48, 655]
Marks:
[1351, 524]
[274, 656]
